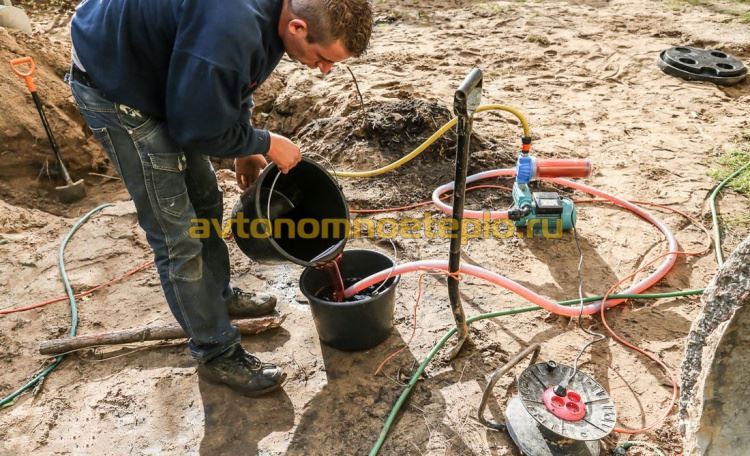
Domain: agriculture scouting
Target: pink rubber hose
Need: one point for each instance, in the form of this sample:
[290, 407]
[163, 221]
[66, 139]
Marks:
[663, 269]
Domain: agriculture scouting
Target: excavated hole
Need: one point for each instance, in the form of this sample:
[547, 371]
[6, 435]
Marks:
[357, 139]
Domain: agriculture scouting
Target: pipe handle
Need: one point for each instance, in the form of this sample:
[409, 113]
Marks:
[26, 73]
[468, 96]
[534, 349]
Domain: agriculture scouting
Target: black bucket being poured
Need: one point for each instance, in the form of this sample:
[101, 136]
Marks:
[303, 217]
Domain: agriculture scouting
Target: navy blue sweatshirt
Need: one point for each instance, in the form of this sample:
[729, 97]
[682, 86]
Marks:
[193, 63]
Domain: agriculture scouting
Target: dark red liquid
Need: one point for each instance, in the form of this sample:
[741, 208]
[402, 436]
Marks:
[334, 291]
[326, 292]
[335, 279]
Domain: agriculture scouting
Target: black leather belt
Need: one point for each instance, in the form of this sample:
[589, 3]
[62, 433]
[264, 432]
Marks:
[81, 76]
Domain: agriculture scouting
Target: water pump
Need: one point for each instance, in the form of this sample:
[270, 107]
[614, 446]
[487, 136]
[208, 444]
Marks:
[544, 210]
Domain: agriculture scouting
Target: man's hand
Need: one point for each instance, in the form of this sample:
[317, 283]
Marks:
[248, 169]
[284, 153]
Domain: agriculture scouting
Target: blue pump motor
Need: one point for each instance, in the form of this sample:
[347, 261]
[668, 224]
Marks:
[546, 213]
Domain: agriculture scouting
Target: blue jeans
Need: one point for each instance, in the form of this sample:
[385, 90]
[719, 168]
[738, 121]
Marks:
[170, 188]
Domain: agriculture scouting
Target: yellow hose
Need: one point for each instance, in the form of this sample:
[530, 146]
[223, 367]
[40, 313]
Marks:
[434, 137]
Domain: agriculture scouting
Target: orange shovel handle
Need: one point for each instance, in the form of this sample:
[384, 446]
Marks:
[28, 74]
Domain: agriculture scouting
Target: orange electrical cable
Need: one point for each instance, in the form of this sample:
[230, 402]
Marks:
[423, 203]
[79, 295]
[624, 342]
[456, 275]
[690, 218]
[418, 297]
[390, 209]
[612, 333]
[413, 329]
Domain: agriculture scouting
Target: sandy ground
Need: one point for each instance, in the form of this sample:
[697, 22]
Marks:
[584, 73]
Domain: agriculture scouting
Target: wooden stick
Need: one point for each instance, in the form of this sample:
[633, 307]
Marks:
[147, 333]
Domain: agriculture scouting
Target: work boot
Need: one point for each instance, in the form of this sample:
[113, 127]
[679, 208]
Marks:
[242, 372]
[243, 304]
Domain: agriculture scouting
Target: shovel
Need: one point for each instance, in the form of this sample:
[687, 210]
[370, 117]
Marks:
[14, 18]
[71, 191]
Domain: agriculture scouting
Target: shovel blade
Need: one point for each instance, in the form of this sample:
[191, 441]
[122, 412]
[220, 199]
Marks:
[14, 18]
[68, 194]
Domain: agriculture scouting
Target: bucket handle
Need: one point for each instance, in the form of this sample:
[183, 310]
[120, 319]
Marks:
[276, 178]
[328, 162]
[390, 273]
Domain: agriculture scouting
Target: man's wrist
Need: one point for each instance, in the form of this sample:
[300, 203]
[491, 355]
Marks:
[263, 138]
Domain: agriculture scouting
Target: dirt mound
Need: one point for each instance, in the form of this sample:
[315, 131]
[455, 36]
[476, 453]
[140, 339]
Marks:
[289, 100]
[330, 125]
[389, 124]
[387, 131]
[28, 171]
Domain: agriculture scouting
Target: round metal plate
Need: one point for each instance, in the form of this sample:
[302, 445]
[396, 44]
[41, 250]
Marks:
[533, 440]
[702, 65]
[600, 410]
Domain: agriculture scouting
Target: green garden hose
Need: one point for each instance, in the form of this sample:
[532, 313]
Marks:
[415, 377]
[715, 215]
[38, 378]
[623, 447]
[413, 381]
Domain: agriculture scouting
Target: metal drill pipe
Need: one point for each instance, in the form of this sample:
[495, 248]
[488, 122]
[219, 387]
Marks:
[454, 260]
[465, 103]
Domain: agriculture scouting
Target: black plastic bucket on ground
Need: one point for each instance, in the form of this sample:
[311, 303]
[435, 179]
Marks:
[306, 196]
[356, 325]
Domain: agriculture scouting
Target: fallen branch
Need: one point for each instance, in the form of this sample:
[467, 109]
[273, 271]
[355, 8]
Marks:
[149, 333]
